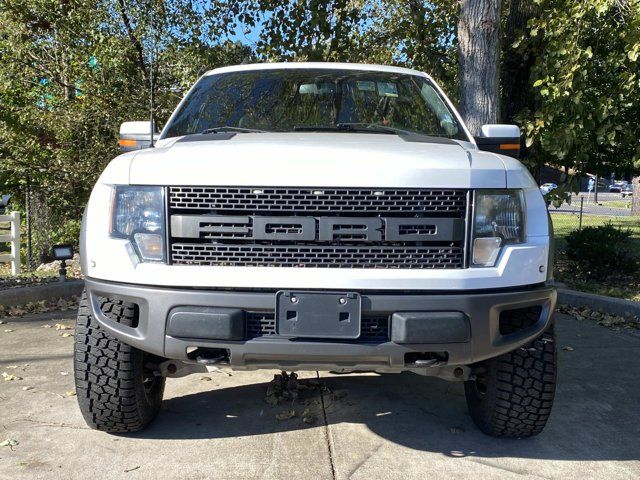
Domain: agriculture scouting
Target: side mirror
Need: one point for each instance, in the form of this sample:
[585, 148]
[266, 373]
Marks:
[504, 139]
[135, 136]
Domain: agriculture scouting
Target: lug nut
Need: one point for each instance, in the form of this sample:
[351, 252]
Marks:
[294, 299]
[342, 300]
[458, 372]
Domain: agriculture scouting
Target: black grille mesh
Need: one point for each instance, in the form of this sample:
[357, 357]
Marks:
[260, 324]
[319, 200]
[372, 328]
[221, 245]
[316, 256]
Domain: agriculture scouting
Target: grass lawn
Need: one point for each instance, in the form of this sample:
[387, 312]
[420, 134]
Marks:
[563, 223]
[623, 203]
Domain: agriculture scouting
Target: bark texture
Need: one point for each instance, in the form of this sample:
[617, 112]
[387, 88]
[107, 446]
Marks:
[479, 52]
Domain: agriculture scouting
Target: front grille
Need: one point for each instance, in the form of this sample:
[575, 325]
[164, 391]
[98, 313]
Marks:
[317, 227]
[260, 324]
[319, 200]
[316, 256]
[373, 328]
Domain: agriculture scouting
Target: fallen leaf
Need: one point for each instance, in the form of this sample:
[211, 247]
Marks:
[308, 417]
[338, 394]
[8, 330]
[64, 374]
[13, 367]
[286, 415]
[65, 335]
[27, 388]
[567, 348]
[9, 442]
[62, 326]
[8, 378]
[205, 379]
[47, 326]
[71, 393]
[2, 322]
[213, 369]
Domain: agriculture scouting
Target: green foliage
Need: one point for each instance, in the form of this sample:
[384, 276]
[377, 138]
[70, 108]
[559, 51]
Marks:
[586, 84]
[599, 252]
[415, 34]
[71, 73]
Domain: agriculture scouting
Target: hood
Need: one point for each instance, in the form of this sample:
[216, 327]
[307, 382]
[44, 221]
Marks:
[317, 159]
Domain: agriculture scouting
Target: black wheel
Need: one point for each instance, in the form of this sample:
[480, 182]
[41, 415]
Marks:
[116, 392]
[512, 394]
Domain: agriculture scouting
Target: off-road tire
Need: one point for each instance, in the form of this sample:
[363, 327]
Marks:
[513, 394]
[116, 393]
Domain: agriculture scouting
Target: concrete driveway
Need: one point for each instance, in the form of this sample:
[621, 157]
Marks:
[367, 426]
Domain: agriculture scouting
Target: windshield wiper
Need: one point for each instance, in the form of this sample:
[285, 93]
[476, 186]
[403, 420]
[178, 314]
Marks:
[373, 127]
[229, 128]
[317, 128]
[351, 127]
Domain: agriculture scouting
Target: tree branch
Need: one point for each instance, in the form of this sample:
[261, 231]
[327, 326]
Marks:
[134, 39]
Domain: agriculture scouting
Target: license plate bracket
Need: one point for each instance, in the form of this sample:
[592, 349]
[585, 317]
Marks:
[318, 314]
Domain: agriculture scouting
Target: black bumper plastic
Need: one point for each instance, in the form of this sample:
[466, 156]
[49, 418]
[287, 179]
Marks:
[464, 326]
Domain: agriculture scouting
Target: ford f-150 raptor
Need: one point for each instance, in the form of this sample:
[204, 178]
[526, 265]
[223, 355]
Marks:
[310, 216]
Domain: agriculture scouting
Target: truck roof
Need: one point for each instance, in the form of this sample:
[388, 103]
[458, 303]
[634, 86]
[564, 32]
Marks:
[316, 65]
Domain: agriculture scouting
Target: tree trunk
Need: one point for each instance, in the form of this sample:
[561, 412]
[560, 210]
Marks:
[479, 53]
[635, 202]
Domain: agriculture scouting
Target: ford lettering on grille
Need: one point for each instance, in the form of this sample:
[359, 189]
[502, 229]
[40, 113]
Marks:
[320, 229]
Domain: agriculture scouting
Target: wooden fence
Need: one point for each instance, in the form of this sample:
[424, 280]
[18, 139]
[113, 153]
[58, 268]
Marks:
[13, 237]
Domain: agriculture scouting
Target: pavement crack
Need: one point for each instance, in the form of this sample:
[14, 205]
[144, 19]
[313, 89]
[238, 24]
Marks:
[39, 423]
[327, 432]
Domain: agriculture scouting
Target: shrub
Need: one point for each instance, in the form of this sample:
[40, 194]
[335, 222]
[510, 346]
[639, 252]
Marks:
[599, 252]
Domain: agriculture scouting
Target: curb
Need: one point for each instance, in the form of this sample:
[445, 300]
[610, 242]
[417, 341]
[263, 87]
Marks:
[50, 291]
[616, 306]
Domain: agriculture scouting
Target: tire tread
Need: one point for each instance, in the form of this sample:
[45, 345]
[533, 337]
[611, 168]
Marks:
[108, 373]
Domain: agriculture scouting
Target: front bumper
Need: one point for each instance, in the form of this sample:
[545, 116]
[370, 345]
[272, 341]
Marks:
[482, 309]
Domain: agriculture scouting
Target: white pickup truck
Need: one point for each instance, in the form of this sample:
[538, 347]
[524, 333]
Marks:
[311, 216]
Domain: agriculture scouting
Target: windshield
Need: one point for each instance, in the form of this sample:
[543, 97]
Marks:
[287, 100]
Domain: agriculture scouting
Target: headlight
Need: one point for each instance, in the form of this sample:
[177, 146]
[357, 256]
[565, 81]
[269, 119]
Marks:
[138, 214]
[498, 220]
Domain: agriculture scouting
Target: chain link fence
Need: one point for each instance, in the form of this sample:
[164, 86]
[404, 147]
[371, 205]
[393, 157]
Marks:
[584, 211]
[47, 223]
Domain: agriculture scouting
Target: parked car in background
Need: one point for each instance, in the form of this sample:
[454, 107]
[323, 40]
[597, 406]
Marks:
[626, 190]
[616, 187]
[547, 187]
